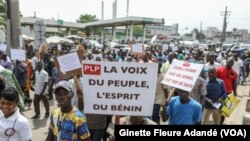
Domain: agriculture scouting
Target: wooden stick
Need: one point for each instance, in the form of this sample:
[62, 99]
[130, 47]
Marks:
[169, 97]
[76, 83]
[170, 94]
[117, 120]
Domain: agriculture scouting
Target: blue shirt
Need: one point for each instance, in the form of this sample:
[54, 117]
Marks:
[215, 90]
[184, 114]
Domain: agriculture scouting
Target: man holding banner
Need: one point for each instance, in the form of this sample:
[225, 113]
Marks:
[184, 110]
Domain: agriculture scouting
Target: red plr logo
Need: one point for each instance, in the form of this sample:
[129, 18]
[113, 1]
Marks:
[186, 64]
[92, 69]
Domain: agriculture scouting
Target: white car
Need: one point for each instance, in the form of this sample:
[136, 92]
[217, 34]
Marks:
[245, 46]
[95, 43]
[121, 46]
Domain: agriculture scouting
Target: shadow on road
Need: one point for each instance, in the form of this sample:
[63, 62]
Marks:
[39, 123]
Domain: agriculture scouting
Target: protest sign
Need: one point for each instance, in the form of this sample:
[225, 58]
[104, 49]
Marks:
[137, 48]
[182, 75]
[119, 88]
[165, 47]
[3, 47]
[18, 54]
[187, 51]
[174, 48]
[69, 64]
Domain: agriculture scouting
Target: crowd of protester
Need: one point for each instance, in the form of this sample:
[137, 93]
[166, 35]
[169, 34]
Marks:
[222, 72]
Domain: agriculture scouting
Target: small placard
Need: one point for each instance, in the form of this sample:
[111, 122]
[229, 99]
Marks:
[17, 54]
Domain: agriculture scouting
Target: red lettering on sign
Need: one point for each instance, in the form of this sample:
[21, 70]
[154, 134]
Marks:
[186, 64]
[92, 69]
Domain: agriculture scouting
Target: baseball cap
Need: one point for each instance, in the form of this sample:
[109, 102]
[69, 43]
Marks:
[63, 84]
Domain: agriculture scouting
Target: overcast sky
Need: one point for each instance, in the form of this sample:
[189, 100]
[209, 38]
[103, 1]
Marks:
[188, 13]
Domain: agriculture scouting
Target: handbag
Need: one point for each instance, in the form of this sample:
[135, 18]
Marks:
[228, 105]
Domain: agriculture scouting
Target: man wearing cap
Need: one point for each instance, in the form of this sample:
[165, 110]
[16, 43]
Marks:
[67, 122]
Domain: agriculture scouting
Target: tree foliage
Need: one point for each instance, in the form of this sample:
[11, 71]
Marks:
[138, 32]
[3, 12]
[86, 18]
[199, 35]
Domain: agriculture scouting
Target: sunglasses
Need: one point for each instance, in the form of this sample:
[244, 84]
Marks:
[10, 131]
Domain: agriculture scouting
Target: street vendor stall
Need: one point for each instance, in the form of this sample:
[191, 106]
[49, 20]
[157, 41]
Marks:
[58, 44]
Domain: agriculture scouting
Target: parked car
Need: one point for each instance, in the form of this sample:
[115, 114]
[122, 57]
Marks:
[96, 44]
[245, 46]
[237, 49]
[227, 46]
[123, 47]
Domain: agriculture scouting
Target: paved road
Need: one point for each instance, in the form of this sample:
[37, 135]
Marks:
[40, 126]
[243, 94]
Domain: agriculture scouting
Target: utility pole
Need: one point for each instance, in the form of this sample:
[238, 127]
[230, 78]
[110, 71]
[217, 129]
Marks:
[102, 10]
[226, 14]
[8, 28]
[200, 34]
[13, 24]
[127, 8]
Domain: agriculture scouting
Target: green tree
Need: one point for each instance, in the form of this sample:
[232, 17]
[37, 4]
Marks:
[137, 31]
[149, 34]
[86, 18]
[3, 10]
[199, 35]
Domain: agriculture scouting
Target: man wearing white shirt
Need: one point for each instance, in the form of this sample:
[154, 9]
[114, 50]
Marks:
[211, 62]
[41, 83]
[237, 67]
